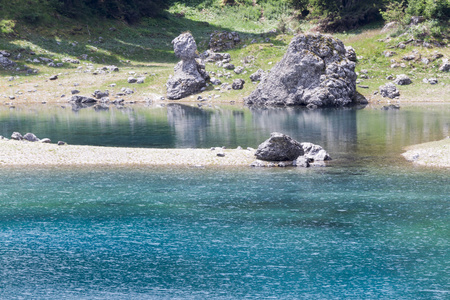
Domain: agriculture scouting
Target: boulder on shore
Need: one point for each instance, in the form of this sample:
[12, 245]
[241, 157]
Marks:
[190, 75]
[315, 71]
[279, 147]
[389, 90]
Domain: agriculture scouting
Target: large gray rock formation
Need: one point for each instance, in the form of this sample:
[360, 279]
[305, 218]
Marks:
[279, 147]
[190, 75]
[314, 71]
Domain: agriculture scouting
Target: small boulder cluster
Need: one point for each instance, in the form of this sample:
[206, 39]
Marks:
[30, 137]
[281, 150]
[5, 62]
[223, 40]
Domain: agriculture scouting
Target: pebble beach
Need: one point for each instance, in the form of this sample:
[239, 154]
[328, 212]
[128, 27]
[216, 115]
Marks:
[21, 153]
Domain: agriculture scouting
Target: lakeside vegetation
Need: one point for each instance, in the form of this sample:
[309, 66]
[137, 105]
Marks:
[138, 40]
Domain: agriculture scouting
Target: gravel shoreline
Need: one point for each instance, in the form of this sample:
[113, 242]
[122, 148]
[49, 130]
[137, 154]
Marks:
[21, 153]
[432, 154]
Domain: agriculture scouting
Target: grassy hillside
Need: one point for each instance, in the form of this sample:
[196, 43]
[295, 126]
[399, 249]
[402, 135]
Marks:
[144, 49]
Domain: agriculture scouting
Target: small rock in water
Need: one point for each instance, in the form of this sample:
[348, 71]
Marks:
[61, 143]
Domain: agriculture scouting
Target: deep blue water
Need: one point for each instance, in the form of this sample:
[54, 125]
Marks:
[367, 226]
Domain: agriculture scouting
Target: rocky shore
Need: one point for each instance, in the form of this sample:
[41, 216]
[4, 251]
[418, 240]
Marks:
[432, 154]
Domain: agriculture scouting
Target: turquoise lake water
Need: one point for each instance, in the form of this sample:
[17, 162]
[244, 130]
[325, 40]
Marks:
[368, 226]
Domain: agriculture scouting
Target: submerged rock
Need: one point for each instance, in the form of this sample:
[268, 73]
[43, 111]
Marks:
[315, 70]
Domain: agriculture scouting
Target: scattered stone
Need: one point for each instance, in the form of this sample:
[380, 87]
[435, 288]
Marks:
[113, 68]
[6, 63]
[279, 147]
[430, 80]
[258, 75]
[132, 80]
[215, 81]
[99, 94]
[402, 79]
[445, 67]
[81, 99]
[16, 136]
[61, 143]
[127, 91]
[409, 57]
[350, 53]
[390, 77]
[436, 55]
[238, 84]
[46, 141]
[388, 53]
[228, 66]
[314, 71]
[140, 80]
[211, 56]
[257, 164]
[401, 46]
[363, 86]
[425, 61]
[54, 77]
[389, 90]
[190, 75]
[31, 137]
[220, 154]
[75, 92]
[239, 70]
[70, 60]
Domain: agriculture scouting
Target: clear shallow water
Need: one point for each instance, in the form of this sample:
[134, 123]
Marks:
[368, 226]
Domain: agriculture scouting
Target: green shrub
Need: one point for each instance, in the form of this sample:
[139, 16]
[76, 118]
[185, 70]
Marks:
[394, 12]
[430, 9]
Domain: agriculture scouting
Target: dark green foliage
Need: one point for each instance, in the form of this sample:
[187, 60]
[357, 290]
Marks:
[130, 11]
[431, 9]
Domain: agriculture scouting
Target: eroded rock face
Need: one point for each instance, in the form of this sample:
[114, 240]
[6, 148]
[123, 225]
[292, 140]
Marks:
[190, 75]
[279, 147]
[314, 71]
